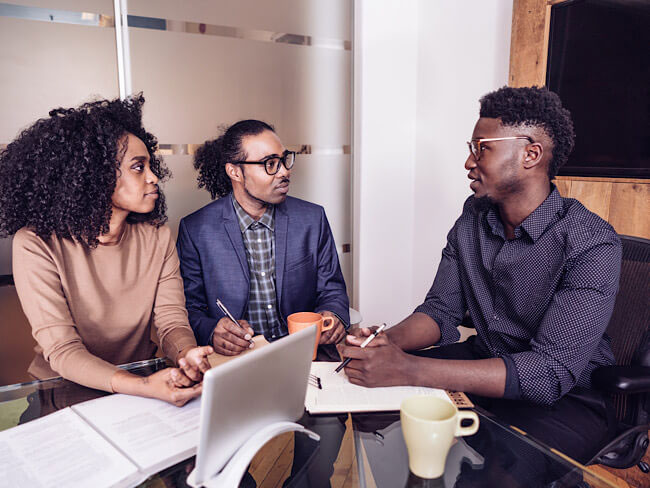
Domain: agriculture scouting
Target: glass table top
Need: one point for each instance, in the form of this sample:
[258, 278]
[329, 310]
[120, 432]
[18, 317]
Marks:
[373, 452]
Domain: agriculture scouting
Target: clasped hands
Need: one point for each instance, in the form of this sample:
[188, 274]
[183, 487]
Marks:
[173, 385]
[380, 363]
[185, 382]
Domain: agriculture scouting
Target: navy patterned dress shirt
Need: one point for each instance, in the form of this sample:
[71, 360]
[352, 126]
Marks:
[540, 301]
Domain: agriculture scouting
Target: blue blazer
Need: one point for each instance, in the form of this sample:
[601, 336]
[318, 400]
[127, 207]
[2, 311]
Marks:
[213, 264]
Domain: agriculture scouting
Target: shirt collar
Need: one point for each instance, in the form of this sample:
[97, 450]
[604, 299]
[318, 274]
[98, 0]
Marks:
[245, 220]
[536, 223]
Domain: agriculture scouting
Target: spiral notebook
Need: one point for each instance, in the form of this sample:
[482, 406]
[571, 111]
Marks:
[338, 395]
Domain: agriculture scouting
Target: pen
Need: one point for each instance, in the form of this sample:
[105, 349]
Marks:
[223, 308]
[365, 343]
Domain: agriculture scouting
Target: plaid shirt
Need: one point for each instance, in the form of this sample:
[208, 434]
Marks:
[259, 243]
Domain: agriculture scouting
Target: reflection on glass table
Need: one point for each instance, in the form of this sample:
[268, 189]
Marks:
[497, 455]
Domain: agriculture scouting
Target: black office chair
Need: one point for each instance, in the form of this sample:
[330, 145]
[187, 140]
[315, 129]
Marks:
[629, 380]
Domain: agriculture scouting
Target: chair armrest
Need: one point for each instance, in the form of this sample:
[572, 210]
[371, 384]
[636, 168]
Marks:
[621, 379]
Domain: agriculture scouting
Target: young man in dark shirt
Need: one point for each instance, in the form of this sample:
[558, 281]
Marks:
[537, 275]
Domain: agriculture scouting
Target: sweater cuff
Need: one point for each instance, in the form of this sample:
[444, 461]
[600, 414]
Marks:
[177, 340]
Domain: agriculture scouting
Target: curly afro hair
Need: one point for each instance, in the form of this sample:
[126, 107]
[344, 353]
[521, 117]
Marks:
[538, 107]
[58, 176]
[211, 158]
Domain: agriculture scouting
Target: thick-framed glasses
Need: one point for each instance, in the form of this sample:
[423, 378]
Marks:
[475, 144]
[272, 163]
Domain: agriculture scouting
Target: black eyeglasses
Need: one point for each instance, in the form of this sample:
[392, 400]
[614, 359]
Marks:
[272, 163]
[475, 144]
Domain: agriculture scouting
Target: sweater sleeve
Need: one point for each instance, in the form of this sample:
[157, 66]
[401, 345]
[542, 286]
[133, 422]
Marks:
[38, 283]
[169, 313]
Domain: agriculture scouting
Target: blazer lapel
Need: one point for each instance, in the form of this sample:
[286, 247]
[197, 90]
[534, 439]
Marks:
[234, 233]
[281, 226]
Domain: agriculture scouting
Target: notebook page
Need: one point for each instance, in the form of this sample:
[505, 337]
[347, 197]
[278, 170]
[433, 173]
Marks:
[60, 449]
[339, 395]
[151, 433]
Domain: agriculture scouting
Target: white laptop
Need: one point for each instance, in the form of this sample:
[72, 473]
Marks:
[247, 394]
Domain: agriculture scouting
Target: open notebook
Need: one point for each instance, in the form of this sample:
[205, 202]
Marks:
[115, 441]
[338, 395]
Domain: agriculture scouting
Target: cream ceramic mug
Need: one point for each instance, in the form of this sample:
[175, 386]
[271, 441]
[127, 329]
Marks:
[300, 320]
[429, 426]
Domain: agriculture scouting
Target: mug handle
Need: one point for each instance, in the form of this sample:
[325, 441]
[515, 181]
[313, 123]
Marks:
[328, 327]
[470, 429]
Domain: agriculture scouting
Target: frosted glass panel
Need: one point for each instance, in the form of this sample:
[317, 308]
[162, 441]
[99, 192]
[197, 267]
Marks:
[181, 192]
[322, 18]
[197, 78]
[92, 6]
[325, 180]
[193, 83]
[48, 65]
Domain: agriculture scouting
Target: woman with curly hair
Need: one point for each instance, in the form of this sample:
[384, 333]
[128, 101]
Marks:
[94, 266]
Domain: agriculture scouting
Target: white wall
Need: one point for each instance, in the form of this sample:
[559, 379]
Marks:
[427, 64]
[464, 51]
[385, 72]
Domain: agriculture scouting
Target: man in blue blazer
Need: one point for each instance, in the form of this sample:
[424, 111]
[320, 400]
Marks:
[264, 254]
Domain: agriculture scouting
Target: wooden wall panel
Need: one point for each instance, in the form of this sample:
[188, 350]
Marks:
[595, 195]
[623, 202]
[629, 211]
[564, 187]
[528, 44]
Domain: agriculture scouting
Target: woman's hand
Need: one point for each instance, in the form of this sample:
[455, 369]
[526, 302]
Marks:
[193, 364]
[163, 385]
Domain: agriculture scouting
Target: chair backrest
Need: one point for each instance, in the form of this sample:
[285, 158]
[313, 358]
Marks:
[629, 322]
[628, 327]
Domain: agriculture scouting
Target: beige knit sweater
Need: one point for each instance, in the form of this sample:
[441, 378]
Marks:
[91, 309]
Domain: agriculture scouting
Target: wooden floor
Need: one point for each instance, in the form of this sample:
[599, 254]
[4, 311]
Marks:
[632, 477]
[272, 464]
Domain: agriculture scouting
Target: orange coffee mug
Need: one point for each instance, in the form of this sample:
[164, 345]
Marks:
[301, 320]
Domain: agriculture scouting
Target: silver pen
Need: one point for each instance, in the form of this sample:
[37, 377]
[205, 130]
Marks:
[227, 313]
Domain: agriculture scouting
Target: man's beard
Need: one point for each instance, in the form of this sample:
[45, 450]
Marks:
[259, 200]
[482, 204]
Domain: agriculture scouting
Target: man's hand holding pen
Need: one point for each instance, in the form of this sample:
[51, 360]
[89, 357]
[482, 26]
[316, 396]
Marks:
[231, 339]
[380, 363]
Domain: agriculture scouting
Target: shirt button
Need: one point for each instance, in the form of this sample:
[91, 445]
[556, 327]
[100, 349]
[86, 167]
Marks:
[263, 273]
[259, 240]
[495, 317]
[269, 306]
